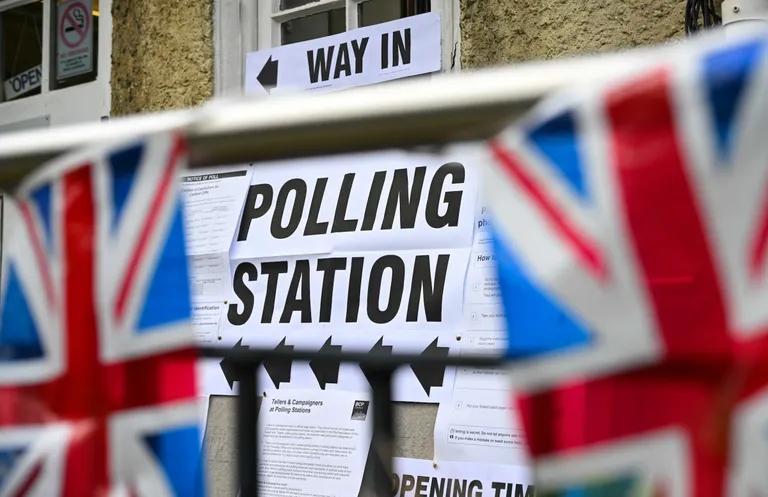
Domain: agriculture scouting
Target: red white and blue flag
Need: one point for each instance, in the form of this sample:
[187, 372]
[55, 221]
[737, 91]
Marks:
[631, 231]
[97, 375]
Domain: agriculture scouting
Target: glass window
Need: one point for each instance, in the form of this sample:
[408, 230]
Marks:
[21, 51]
[329, 22]
[292, 4]
[373, 12]
[75, 35]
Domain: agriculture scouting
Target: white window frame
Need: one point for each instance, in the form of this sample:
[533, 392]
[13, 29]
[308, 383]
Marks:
[84, 102]
[242, 26]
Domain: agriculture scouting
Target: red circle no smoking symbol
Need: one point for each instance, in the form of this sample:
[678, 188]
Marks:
[74, 25]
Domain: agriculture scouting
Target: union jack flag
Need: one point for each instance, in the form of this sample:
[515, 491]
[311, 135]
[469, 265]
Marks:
[97, 375]
[631, 231]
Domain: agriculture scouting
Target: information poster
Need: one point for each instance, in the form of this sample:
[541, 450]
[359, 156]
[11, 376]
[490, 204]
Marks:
[313, 444]
[479, 421]
[213, 200]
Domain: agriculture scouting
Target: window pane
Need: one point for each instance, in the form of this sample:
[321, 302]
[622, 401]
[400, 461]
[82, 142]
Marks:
[74, 47]
[373, 12]
[292, 4]
[326, 23]
[21, 51]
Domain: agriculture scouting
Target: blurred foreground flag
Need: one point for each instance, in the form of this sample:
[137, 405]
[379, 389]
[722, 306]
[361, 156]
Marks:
[97, 381]
[631, 223]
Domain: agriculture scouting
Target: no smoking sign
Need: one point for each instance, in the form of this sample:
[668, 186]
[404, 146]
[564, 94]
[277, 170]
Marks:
[74, 24]
[74, 50]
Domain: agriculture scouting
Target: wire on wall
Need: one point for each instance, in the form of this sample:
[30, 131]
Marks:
[700, 14]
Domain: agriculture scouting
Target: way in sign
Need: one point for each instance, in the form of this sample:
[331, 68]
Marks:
[391, 50]
[348, 57]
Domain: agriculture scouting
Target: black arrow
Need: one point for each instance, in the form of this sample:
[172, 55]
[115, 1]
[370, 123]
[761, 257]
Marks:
[279, 370]
[268, 74]
[228, 367]
[378, 349]
[326, 371]
[431, 375]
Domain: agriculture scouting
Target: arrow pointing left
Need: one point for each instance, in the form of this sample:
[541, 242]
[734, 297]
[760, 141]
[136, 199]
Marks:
[378, 349]
[279, 370]
[431, 375]
[268, 74]
[326, 371]
[227, 366]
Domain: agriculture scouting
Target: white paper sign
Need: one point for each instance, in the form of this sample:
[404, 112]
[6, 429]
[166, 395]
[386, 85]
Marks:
[349, 253]
[206, 319]
[212, 203]
[403, 291]
[484, 317]
[359, 202]
[74, 46]
[366, 240]
[420, 478]
[313, 444]
[479, 422]
[213, 199]
[479, 425]
[391, 50]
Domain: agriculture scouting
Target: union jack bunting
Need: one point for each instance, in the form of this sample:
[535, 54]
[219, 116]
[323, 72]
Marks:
[631, 231]
[97, 380]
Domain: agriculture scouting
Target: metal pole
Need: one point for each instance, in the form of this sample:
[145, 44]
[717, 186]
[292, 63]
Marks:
[383, 429]
[247, 430]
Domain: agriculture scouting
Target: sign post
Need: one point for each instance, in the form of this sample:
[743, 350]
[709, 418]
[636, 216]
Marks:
[74, 38]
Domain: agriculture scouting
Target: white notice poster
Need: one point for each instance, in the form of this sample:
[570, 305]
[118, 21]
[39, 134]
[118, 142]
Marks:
[479, 425]
[420, 478]
[484, 318]
[313, 444]
[212, 200]
[391, 50]
[479, 421]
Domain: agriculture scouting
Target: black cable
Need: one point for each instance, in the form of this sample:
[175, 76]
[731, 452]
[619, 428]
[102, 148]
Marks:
[700, 14]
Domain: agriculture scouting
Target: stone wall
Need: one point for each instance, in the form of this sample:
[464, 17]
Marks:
[162, 51]
[502, 31]
[162, 54]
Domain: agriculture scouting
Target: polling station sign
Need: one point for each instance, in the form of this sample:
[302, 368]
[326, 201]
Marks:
[374, 240]
[357, 252]
[392, 50]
